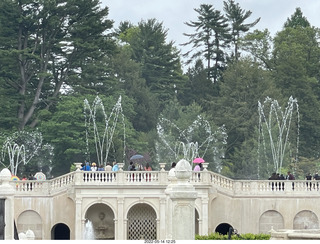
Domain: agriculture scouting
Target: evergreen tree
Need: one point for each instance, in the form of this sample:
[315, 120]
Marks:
[259, 45]
[209, 40]
[244, 84]
[159, 60]
[297, 19]
[296, 57]
[44, 43]
[199, 88]
[236, 16]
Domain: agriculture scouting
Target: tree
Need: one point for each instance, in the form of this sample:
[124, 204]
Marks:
[259, 45]
[236, 15]
[209, 40]
[244, 84]
[296, 56]
[146, 106]
[199, 88]
[44, 43]
[159, 60]
[297, 19]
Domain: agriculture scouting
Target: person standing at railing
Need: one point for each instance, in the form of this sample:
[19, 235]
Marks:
[308, 178]
[86, 167]
[133, 168]
[290, 177]
[274, 176]
[108, 169]
[197, 168]
[148, 168]
[172, 171]
[130, 166]
[281, 177]
[100, 168]
[115, 167]
[317, 177]
[94, 167]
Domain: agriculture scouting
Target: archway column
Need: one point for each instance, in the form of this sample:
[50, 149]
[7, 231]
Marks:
[204, 220]
[79, 220]
[162, 225]
[120, 231]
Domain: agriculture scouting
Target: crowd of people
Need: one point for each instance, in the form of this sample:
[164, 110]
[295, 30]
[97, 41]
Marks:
[93, 167]
[290, 176]
[138, 166]
[132, 167]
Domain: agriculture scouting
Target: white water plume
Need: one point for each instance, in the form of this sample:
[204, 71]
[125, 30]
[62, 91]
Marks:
[103, 135]
[276, 131]
[197, 140]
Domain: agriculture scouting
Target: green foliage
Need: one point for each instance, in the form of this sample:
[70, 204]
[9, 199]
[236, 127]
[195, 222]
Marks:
[44, 44]
[296, 56]
[54, 54]
[297, 19]
[212, 37]
[247, 236]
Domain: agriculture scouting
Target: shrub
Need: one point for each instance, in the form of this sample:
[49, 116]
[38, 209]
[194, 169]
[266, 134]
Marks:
[247, 236]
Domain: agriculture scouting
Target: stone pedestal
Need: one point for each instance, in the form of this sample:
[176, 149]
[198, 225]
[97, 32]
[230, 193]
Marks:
[181, 204]
[7, 193]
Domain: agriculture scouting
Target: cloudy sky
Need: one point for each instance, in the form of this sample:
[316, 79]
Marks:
[174, 13]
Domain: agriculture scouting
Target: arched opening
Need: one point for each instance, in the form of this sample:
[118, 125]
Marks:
[142, 223]
[60, 232]
[305, 219]
[30, 220]
[270, 219]
[102, 219]
[196, 222]
[223, 228]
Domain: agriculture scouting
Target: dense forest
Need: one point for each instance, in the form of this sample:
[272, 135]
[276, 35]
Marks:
[65, 67]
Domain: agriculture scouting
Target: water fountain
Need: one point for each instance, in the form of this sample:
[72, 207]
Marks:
[197, 140]
[276, 130]
[88, 233]
[22, 147]
[102, 135]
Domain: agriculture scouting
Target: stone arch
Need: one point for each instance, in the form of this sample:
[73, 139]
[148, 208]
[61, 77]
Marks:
[60, 231]
[270, 219]
[30, 220]
[223, 228]
[305, 219]
[102, 218]
[142, 222]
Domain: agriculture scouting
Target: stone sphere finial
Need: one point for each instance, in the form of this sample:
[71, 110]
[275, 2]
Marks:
[183, 170]
[5, 174]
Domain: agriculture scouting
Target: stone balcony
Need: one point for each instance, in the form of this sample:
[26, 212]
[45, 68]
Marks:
[141, 179]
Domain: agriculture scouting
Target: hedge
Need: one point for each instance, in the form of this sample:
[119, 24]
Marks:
[248, 236]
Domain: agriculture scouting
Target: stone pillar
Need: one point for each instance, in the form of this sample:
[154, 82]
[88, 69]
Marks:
[7, 193]
[162, 224]
[79, 222]
[203, 228]
[182, 196]
[121, 230]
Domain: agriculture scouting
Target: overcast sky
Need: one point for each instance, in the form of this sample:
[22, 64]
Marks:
[174, 13]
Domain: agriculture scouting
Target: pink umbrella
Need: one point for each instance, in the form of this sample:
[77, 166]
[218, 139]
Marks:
[198, 160]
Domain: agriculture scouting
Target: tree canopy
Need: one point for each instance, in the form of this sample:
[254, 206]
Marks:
[54, 55]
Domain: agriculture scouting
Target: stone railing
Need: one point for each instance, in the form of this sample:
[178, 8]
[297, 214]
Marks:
[126, 178]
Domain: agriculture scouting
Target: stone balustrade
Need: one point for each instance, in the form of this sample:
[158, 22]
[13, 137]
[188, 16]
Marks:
[160, 178]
